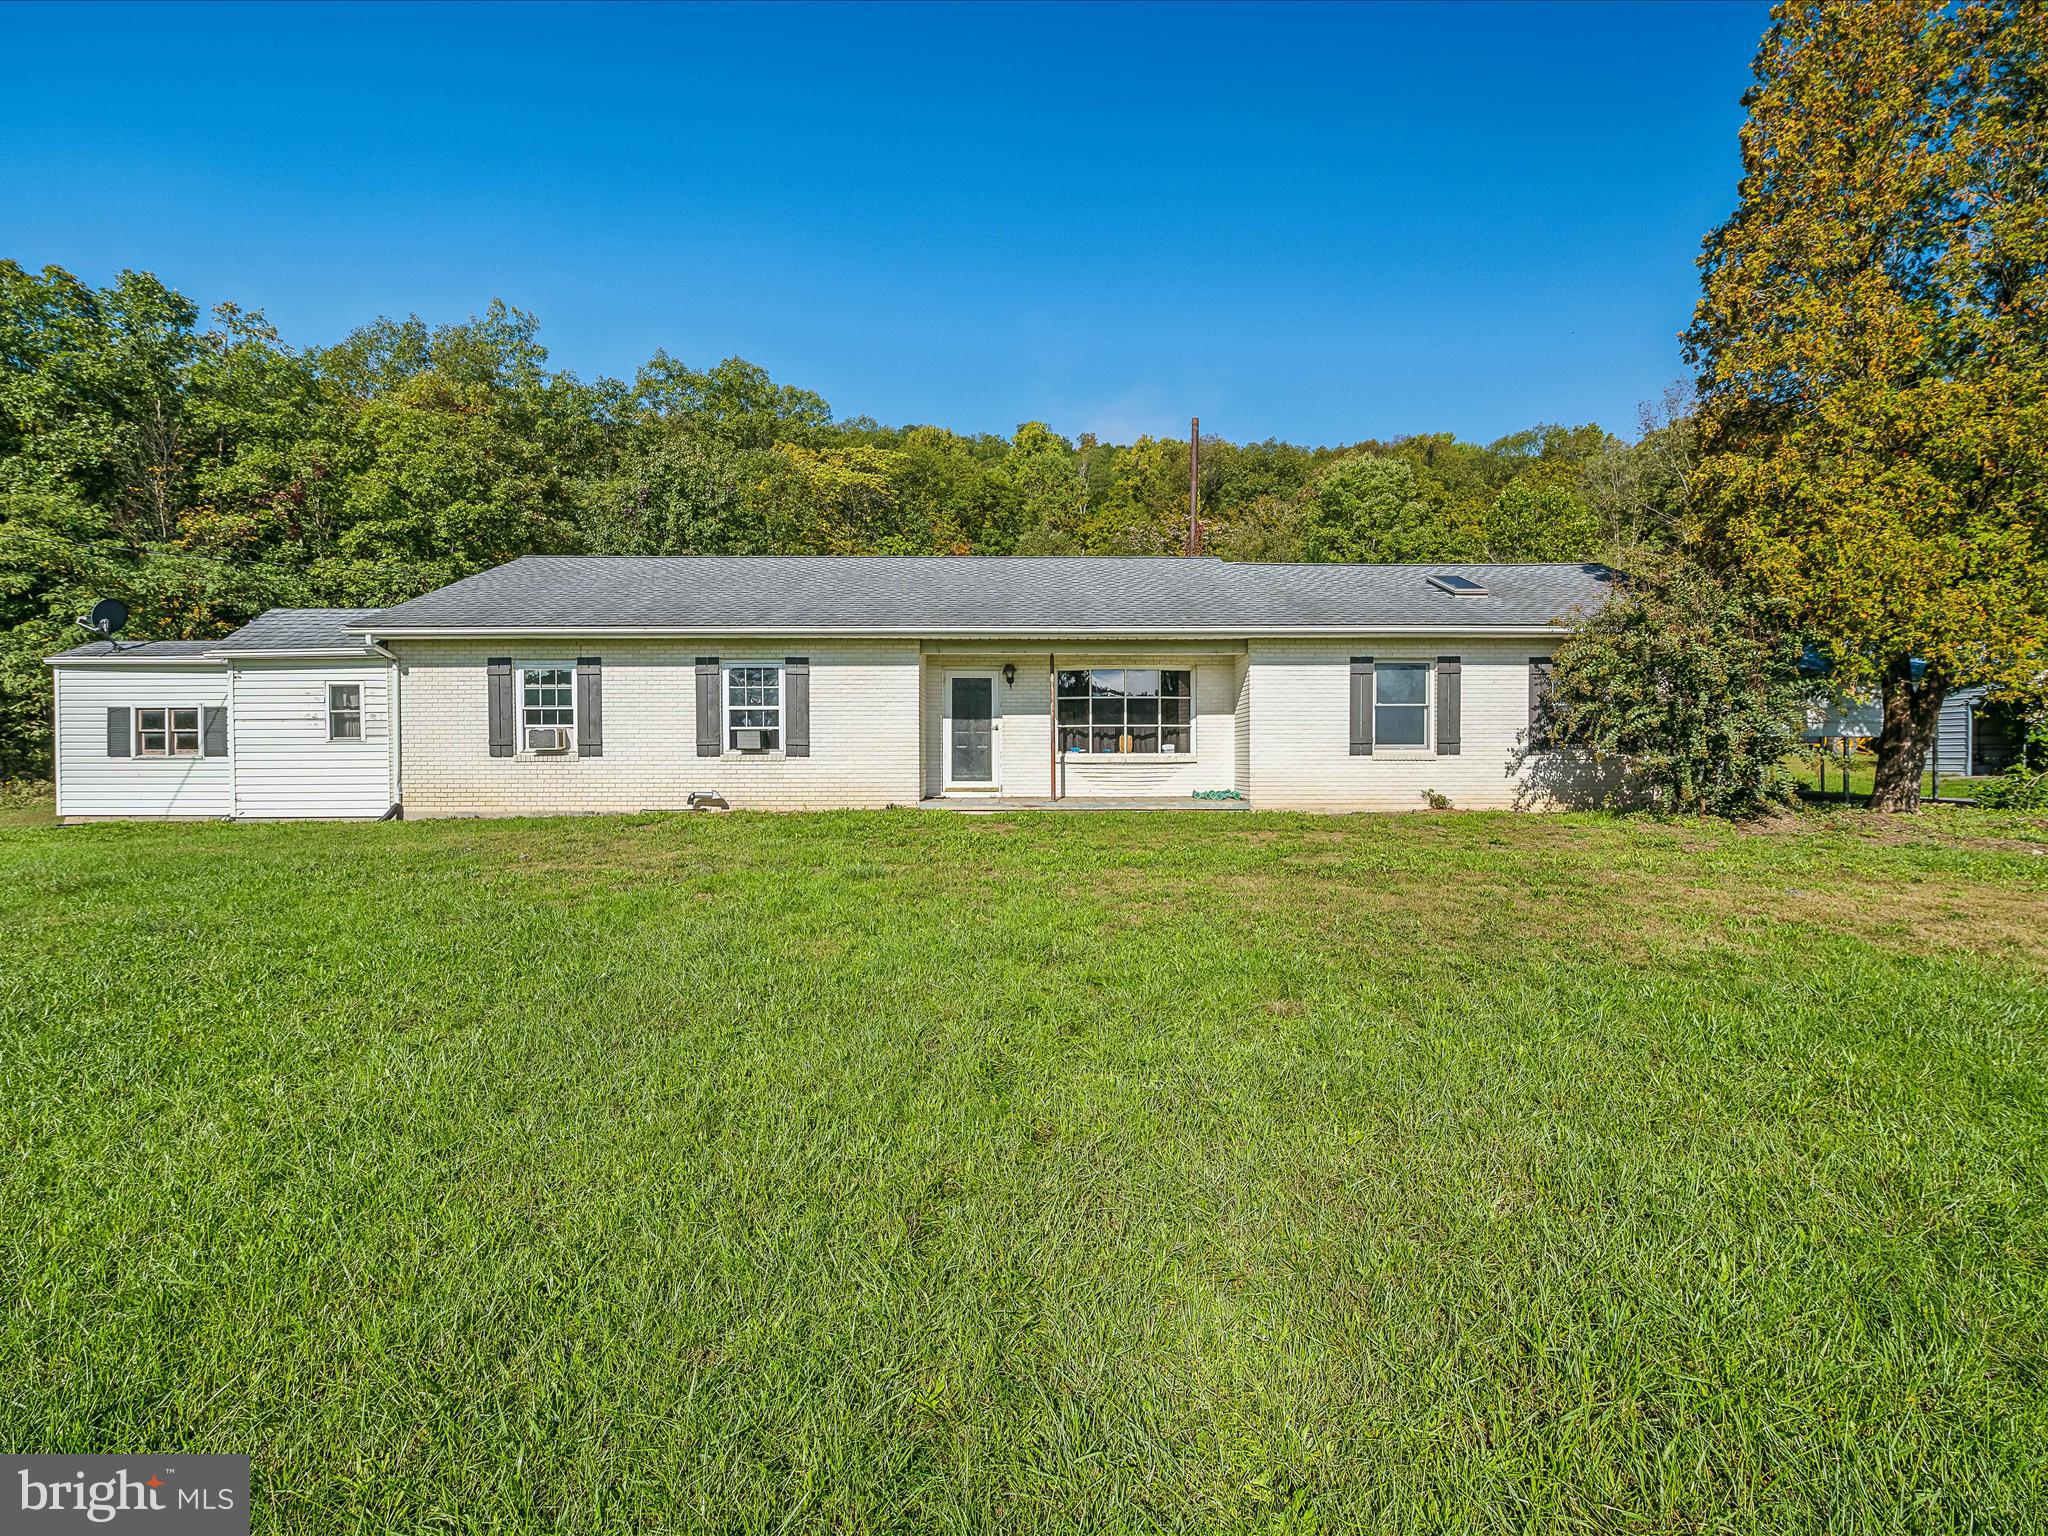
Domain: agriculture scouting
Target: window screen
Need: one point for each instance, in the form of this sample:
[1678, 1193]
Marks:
[1401, 704]
[344, 711]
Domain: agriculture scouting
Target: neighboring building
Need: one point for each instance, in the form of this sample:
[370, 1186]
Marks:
[1975, 736]
[556, 685]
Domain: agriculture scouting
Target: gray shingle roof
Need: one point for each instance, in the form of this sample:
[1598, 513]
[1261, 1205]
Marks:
[137, 650]
[281, 629]
[299, 629]
[966, 593]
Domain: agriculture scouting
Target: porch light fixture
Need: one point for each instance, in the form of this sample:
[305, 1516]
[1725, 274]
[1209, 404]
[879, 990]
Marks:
[1009, 673]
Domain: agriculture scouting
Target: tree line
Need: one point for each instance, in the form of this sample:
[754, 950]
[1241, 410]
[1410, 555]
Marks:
[202, 469]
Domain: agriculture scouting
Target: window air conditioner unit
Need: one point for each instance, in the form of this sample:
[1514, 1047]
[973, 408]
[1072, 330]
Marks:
[547, 738]
[750, 740]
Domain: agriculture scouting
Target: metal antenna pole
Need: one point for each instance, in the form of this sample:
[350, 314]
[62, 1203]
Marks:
[1194, 485]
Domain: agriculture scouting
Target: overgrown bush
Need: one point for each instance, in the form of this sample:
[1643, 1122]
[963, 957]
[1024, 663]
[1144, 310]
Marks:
[1692, 681]
[2016, 791]
[2023, 786]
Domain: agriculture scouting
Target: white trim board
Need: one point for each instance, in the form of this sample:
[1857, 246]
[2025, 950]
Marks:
[993, 632]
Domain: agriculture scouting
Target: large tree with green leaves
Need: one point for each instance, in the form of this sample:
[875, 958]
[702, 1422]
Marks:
[1534, 518]
[1872, 339]
[1371, 508]
[95, 462]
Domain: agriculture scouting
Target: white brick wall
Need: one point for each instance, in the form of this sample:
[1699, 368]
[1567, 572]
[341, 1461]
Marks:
[1024, 741]
[1301, 726]
[864, 730]
[1274, 723]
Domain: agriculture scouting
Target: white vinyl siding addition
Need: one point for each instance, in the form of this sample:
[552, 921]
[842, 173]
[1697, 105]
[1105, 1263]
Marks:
[291, 761]
[91, 781]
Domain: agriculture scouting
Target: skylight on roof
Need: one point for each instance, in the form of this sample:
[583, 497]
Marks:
[1457, 586]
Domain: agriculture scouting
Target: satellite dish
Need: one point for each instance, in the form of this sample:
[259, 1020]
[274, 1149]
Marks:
[108, 615]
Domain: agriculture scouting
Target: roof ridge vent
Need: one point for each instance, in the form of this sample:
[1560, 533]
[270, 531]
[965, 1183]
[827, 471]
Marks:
[1457, 586]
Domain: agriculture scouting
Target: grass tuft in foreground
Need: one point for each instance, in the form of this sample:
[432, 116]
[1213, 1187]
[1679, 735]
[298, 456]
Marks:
[908, 1171]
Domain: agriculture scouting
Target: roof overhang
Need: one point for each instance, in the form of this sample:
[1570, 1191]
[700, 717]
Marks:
[201, 659]
[367, 652]
[955, 632]
[371, 652]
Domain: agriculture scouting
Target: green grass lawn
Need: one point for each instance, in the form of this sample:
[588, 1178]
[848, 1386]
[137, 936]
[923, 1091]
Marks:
[1805, 768]
[910, 1172]
[1810, 773]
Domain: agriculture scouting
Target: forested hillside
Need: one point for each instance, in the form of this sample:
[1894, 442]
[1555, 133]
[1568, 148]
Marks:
[203, 470]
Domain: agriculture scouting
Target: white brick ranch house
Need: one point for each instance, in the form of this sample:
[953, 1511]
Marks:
[556, 685]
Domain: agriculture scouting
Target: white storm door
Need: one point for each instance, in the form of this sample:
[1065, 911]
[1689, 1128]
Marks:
[972, 723]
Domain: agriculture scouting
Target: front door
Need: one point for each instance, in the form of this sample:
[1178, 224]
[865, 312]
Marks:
[971, 730]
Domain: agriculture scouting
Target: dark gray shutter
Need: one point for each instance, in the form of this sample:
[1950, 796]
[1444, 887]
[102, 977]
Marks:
[709, 716]
[214, 733]
[500, 684]
[119, 742]
[1361, 706]
[796, 707]
[1539, 701]
[590, 706]
[1450, 706]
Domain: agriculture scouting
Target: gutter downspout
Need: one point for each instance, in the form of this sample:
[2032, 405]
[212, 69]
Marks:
[397, 811]
[395, 758]
[1052, 720]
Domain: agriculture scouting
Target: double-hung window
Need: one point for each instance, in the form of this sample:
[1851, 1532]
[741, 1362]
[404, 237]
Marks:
[166, 733]
[547, 697]
[1401, 704]
[1115, 710]
[344, 711]
[753, 706]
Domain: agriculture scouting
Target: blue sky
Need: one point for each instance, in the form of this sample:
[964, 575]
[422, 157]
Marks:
[1320, 224]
